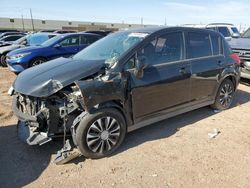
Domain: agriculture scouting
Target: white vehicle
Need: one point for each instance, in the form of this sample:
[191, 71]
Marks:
[227, 30]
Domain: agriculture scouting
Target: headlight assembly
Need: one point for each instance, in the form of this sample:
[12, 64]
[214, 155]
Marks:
[18, 56]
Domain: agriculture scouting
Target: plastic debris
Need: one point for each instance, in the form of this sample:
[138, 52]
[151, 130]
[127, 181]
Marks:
[217, 111]
[214, 133]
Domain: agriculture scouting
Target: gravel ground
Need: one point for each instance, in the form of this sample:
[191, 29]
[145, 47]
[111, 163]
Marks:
[173, 153]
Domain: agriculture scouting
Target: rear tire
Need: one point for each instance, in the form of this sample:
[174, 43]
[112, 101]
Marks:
[101, 133]
[224, 96]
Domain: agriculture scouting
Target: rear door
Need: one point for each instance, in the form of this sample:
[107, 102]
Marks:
[205, 54]
[166, 81]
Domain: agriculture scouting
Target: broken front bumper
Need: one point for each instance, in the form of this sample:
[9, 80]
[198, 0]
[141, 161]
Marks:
[26, 132]
[30, 137]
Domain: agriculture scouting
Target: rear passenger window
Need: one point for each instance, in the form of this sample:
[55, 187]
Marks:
[215, 44]
[224, 31]
[167, 48]
[88, 39]
[198, 45]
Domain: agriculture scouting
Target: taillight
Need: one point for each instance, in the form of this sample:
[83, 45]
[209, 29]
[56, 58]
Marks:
[236, 58]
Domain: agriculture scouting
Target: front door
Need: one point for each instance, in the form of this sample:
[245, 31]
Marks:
[68, 46]
[166, 80]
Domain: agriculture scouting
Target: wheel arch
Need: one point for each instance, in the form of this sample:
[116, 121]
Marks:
[116, 104]
[37, 57]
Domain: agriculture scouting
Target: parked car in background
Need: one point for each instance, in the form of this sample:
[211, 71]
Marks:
[11, 33]
[241, 46]
[7, 30]
[229, 31]
[28, 40]
[246, 34]
[47, 31]
[100, 32]
[8, 40]
[63, 45]
[122, 82]
[64, 31]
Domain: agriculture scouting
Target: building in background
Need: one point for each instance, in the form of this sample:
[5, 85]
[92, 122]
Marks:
[26, 25]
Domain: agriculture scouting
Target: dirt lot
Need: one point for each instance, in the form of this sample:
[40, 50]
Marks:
[174, 153]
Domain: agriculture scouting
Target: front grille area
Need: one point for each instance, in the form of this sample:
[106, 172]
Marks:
[243, 54]
[29, 105]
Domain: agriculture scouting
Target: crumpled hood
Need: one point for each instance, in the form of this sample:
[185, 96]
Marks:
[9, 48]
[240, 43]
[26, 50]
[48, 78]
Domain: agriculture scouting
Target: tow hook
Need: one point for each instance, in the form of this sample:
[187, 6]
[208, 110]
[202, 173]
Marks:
[66, 154]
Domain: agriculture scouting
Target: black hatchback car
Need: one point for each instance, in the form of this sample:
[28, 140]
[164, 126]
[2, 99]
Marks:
[122, 82]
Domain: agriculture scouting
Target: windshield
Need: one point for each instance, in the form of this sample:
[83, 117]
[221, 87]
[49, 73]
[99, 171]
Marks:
[111, 48]
[20, 41]
[36, 39]
[246, 34]
[235, 30]
[52, 40]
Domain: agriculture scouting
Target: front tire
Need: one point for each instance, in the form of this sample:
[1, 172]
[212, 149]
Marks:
[101, 133]
[37, 61]
[225, 94]
[3, 60]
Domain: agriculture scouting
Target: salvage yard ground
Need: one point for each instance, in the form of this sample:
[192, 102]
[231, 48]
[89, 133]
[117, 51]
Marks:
[173, 153]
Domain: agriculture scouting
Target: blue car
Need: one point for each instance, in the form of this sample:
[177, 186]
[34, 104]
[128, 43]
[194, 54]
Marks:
[63, 45]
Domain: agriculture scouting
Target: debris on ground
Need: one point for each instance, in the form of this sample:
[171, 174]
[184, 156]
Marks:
[214, 133]
[217, 111]
[66, 154]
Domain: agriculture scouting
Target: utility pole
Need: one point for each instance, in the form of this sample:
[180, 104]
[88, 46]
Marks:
[32, 19]
[141, 20]
[165, 21]
[22, 22]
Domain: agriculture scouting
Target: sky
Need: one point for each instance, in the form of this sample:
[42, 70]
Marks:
[155, 12]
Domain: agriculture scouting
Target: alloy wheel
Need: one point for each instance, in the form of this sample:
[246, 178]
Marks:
[38, 62]
[103, 134]
[226, 95]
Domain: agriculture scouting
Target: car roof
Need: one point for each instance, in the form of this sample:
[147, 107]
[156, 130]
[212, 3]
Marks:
[79, 33]
[220, 24]
[44, 33]
[12, 36]
[151, 30]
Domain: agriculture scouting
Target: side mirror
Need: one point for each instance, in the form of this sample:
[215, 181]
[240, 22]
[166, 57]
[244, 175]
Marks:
[141, 64]
[235, 35]
[57, 46]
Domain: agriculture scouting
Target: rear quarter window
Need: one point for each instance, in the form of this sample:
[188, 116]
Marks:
[216, 44]
[198, 45]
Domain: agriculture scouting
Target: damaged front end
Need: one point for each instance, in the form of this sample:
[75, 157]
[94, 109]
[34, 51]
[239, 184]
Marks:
[42, 118]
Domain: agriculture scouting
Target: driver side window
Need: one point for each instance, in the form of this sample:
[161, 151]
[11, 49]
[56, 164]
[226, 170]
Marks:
[70, 41]
[164, 49]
